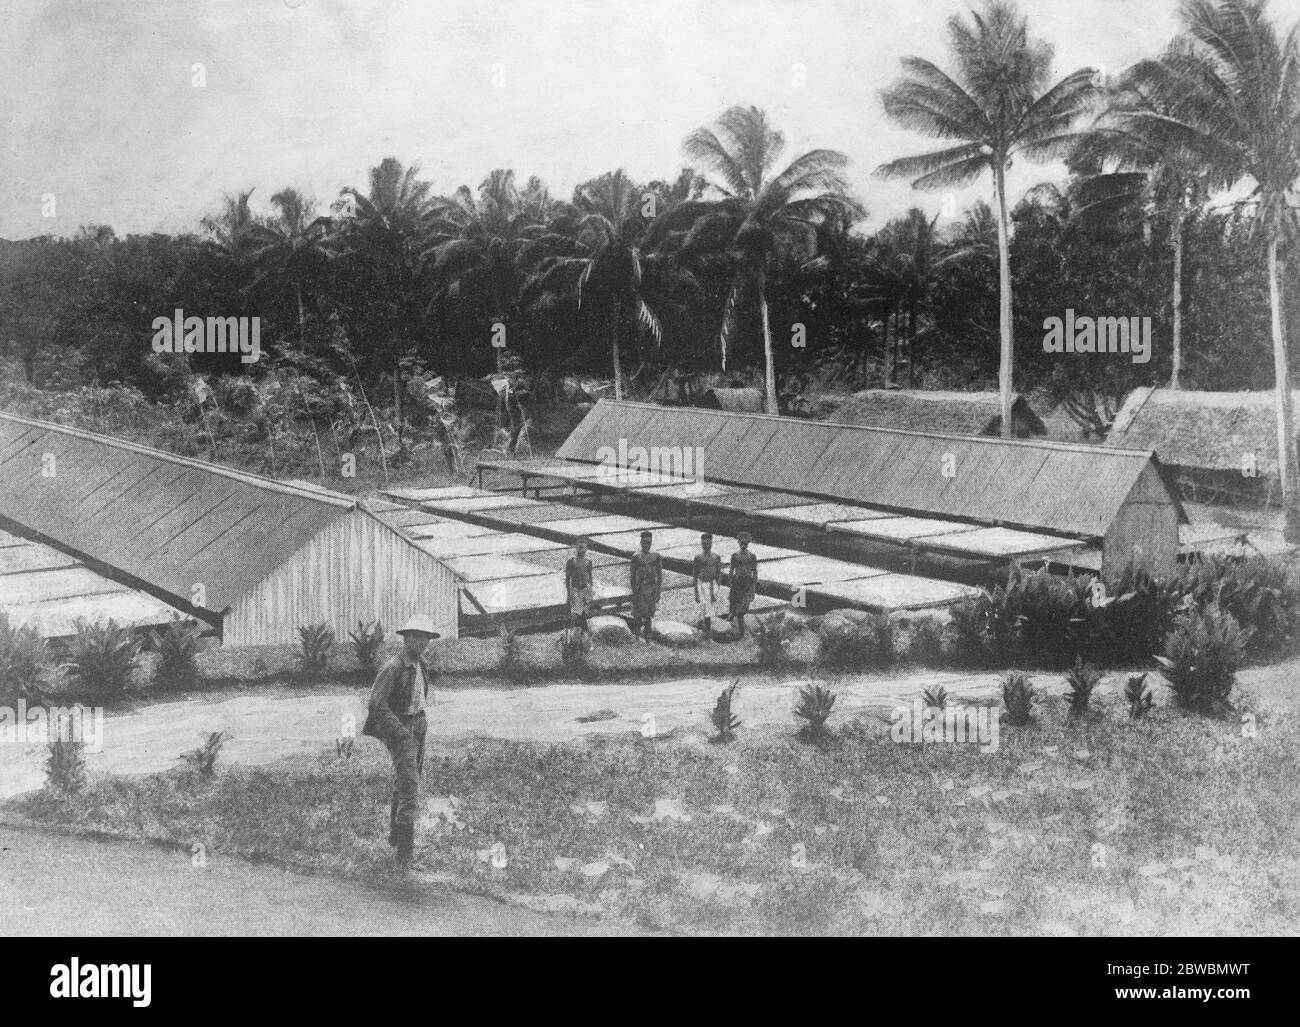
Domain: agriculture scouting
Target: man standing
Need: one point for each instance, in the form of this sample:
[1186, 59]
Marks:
[578, 583]
[396, 717]
[706, 569]
[744, 579]
[647, 581]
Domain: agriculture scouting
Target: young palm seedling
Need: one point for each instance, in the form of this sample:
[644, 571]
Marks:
[1139, 696]
[814, 707]
[1018, 697]
[1082, 679]
[723, 719]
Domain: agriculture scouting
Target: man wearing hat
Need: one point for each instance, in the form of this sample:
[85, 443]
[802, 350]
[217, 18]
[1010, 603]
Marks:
[744, 579]
[396, 717]
[647, 580]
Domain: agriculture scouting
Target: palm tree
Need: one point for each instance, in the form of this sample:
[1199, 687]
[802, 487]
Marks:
[612, 275]
[998, 105]
[384, 234]
[1231, 87]
[293, 244]
[906, 261]
[1124, 167]
[759, 214]
[484, 244]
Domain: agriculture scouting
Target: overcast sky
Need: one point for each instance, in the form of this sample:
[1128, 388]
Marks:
[97, 105]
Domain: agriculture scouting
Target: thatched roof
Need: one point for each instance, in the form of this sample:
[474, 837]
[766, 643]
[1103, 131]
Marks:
[1200, 430]
[954, 413]
[744, 400]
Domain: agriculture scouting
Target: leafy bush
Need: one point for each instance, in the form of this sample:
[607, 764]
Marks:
[510, 662]
[101, 657]
[317, 640]
[1260, 594]
[1201, 658]
[202, 760]
[575, 649]
[858, 646]
[24, 662]
[177, 645]
[723, 720]
[365, 644]
[773, 638]
[65, 766]
[1039, 618]
[1132, 624]
[925, 646]
[1138, 695]
[972, 631]
[814, 707]
[1018, 697]
[1082, 679]
[936, 699]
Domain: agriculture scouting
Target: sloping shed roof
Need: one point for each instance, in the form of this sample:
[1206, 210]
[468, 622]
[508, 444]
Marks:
[163, 521]
[1076, 490]
[952, 413]
[1200, 430]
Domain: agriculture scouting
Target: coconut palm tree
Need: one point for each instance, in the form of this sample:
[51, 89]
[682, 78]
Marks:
[383, 236]
[1231, 86]
[294, 245]
[997, 104]
[483, 244]
[759, 213]
[1122, 167]
[611, 274]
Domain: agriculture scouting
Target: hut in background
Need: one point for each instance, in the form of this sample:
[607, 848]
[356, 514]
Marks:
[952, 413]
[1219, 445]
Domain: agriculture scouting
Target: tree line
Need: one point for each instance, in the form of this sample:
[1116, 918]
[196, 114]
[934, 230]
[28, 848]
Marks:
[752, 258]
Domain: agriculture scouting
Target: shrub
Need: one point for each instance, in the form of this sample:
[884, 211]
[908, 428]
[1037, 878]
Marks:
[814, 707]
[1134, 623]
[936, 699]
[24, 661]
[925, 646]
[1082, 679]
[65, 766]
[773, 638]
[575, 649]
[365, 644]
[858, 646]
[202, 760]
[510, 662]
[1201, 658]
[1260, 594]
[972, 631]
[723, 720]
[177, 645]
[317, 640]
[1040, 618]
[1138, 695]
[101, 658]
[1018, 697]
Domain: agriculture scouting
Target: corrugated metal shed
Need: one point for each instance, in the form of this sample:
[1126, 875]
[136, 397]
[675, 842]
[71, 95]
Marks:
[269, 556]
[1044, 486]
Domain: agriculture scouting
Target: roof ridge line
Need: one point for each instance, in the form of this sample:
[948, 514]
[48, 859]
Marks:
[1068, 447]
[247, 477]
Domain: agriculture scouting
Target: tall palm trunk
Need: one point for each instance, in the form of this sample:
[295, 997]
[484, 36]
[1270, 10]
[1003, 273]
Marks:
[301, 316]
[618, 367]
[1286, 451]
[1004, 306]
[1176, 372]
[769, 364]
